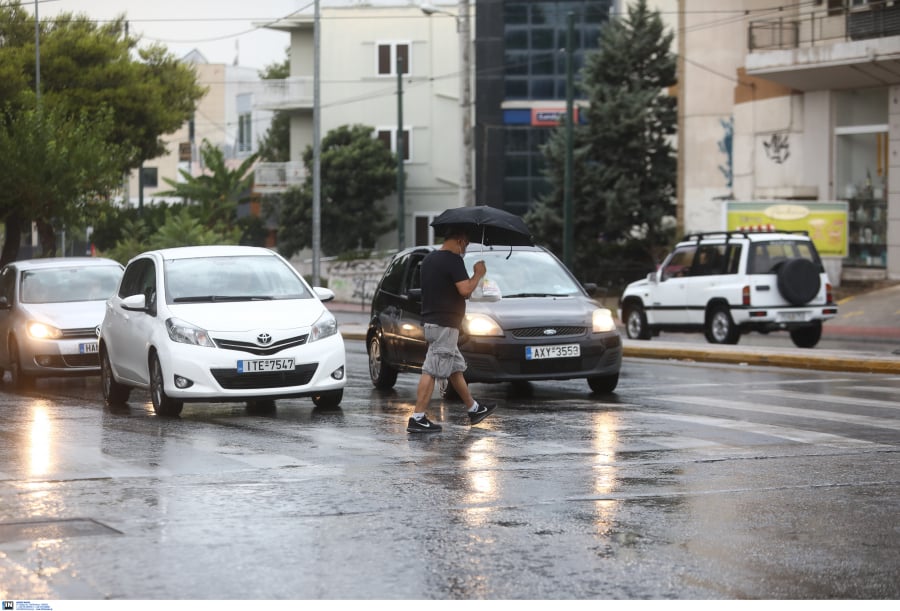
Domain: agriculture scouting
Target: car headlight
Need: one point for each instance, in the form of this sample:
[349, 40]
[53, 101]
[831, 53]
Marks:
[603, 321]
[39, 330]
[186, 333]
[326, 326]
[481, 324]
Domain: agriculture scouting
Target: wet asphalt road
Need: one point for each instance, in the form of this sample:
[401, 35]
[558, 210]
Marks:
[690, 482]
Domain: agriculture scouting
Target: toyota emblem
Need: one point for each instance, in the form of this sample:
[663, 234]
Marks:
[549, 331]
[264, 339]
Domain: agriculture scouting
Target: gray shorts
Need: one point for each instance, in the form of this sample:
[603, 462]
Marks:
[443, 357]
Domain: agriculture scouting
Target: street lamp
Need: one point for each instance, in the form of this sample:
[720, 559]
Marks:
[466, 193]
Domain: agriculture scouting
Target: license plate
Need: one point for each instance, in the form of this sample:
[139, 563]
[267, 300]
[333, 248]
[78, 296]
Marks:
[262, 365]
[559, 351]
[88, 348]
[793, 316]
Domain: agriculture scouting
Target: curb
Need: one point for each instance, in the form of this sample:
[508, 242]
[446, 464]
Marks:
[850, 362]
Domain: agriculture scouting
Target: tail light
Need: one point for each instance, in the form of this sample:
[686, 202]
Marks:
[745, 294]
[828, 295]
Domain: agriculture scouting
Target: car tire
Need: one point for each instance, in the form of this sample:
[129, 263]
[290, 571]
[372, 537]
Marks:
[636, 322]
[329, 399]
[113, 392]
[383, 375]
[798, 281]
[807, 337]
[20, 379]
[603, 384]
[720, 327]
[163, 405]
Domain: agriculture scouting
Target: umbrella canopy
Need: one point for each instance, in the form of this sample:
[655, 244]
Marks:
[485, 224]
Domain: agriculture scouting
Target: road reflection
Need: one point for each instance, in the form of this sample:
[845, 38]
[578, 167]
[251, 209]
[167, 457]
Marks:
[40, 452]
[604, 442]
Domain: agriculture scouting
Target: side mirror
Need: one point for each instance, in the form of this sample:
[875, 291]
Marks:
[651, 277]
[324, 294]
[414, 294]
[4, 303]
[590, 288]
[135, 303]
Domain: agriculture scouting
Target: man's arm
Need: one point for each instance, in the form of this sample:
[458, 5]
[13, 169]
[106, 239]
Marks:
[466, 287]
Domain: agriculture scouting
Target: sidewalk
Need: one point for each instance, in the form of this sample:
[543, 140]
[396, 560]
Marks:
[873, 315]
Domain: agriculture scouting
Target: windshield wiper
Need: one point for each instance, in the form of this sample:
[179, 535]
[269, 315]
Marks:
[536, 295]
[217, 298]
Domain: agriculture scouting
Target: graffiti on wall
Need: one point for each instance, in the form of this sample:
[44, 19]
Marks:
[777, 148]
[726, 147]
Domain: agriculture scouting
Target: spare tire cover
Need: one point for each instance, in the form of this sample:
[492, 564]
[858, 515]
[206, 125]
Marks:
[798, 281]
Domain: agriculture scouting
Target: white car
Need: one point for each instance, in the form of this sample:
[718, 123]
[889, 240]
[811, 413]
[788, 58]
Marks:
[49, 312]
[728, 283]
[219, 323]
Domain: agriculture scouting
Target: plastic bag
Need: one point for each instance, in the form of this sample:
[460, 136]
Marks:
[487, 290]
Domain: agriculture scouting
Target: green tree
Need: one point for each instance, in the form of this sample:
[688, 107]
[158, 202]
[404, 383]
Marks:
[54, 167]
[90, 69]
[217, 192]
[625, 166]
[357, 171]
[275, 145]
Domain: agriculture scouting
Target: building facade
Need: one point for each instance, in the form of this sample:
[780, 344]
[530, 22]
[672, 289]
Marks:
[794, 102]
[362, 47]
[226, 116]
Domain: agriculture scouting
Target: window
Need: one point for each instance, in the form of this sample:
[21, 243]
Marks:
[678, 263]
[389, 138]
[149, 178]
[424, 230]
[389, 53]
[245, 134]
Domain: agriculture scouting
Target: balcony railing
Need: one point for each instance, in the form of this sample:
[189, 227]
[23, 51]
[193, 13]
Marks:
[285, 94]
[824, 25]
[272, 177]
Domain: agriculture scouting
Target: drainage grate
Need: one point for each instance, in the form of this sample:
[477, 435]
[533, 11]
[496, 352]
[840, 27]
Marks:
[53, 529]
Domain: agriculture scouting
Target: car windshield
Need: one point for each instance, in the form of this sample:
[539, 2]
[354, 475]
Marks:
[524, 273]
[68, 284]
[235, 278]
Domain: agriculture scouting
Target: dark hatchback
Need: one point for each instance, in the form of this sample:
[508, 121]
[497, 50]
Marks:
[543, 325]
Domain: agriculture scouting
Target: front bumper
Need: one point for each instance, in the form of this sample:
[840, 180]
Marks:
[502, 359]
[195, 373]
[59, 357]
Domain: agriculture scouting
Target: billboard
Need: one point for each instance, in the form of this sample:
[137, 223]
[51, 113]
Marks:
[826, 222]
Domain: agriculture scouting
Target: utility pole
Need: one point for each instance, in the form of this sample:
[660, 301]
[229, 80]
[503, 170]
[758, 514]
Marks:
[317, 158]
[467, 195]
[37, 54]
[568, 224]
[401, 205]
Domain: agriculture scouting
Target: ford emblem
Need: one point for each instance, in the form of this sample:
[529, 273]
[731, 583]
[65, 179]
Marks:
[549, 331]
[264, 339]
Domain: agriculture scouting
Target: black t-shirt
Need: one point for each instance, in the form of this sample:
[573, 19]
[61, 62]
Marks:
[441, 302]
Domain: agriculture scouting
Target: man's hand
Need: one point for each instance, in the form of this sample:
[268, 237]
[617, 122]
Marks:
[480, 269]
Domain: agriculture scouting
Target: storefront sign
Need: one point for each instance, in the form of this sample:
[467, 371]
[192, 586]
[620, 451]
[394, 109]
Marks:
[826, 222]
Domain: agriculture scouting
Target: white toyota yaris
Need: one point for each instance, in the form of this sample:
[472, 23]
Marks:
[219, 323]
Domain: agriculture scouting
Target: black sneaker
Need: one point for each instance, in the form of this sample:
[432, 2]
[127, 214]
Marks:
[424, 425]
[481, 412]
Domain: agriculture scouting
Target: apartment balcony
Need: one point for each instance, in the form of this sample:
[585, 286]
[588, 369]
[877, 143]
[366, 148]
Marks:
[828, 48]
[294, 93]
[274, 177]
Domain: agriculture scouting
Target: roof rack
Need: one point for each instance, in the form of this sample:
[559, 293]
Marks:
[738, 234]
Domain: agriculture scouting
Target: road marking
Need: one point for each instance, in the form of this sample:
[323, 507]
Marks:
[771, 430]
[789, 394]
[783, 410]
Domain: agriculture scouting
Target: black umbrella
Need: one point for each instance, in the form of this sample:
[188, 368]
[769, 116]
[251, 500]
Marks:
[485, 224]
